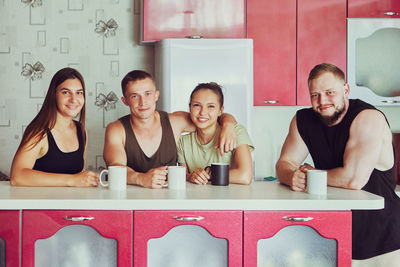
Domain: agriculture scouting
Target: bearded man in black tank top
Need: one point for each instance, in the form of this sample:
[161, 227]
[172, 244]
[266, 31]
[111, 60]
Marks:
[353, 142]
[145, 140]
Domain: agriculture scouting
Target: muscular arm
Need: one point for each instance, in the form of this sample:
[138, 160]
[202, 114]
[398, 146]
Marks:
[114, 152]
[181, 122]
[114, 155]
[22, 173]
[363, 151]
[243, 173]
[294, 152]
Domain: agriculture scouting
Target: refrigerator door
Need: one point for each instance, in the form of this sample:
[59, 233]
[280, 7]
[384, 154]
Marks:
[181, 64]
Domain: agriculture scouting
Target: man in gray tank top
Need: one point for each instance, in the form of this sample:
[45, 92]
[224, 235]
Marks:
[145, 140]
[353, 142]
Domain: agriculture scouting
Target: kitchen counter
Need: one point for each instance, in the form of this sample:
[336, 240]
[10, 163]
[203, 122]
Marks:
[257, 196]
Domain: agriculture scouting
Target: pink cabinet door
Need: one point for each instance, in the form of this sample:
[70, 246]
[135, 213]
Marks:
[374, 9]
[321, 37]
[9, 232]
[40, 224]
[261, 225]
[206, 18]
[156, 224]
[272, 26]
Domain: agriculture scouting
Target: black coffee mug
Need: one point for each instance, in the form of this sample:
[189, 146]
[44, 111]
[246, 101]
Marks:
[220, 174]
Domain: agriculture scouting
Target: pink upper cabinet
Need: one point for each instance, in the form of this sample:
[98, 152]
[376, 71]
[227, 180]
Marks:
[321, 37]
[272, 26]
[182, 18]
[289, 40]
[374, 9]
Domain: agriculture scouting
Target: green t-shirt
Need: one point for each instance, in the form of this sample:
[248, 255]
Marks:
[196, 155]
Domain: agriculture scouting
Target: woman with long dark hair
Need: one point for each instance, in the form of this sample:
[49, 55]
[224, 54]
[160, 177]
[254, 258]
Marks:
[52, 149]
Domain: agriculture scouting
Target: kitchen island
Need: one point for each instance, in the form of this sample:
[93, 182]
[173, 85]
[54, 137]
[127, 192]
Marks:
[244, 216]
[257, 196]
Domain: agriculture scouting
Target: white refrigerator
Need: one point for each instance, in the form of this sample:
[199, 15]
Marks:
[181, 64]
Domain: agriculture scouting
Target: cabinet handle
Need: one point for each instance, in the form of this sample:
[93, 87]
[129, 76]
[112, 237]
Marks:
[390, 13]
[391, 101]
[188, 218]
[271, 101]
[78, 219]
[297, 219]
[194, 37]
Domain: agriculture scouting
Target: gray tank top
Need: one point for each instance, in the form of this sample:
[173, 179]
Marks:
[166, 154]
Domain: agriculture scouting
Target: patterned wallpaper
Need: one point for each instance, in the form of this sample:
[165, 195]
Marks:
[100, 38]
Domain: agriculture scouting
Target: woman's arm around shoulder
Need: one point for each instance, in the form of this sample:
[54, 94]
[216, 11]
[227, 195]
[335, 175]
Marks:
[227, 141]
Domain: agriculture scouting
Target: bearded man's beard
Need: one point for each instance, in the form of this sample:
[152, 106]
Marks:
[332, 119]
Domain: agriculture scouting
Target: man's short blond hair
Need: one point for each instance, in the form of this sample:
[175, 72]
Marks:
[322, 68]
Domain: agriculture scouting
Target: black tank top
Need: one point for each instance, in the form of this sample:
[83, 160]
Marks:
[56, 161]
[374, 232]
[166, 154]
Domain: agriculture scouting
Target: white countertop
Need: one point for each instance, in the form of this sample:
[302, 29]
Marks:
[257, 196]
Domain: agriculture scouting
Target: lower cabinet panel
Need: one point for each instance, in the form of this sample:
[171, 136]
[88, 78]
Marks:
[77, 238]
[9, 238]
[311, 238]
[187, 238]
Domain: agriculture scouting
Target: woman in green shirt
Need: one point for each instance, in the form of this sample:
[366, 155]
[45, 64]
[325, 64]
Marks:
[197, 150]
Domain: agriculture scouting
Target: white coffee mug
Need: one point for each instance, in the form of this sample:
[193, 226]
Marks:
[116, 178]
[177, 177]
[317, 182]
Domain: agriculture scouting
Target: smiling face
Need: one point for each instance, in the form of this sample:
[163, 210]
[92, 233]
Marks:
[70, 98]
[141, 97]
[205, 108]
[329, 98]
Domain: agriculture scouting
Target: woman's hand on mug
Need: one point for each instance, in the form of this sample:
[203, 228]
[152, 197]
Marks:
[200, 176]
[85, 179]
